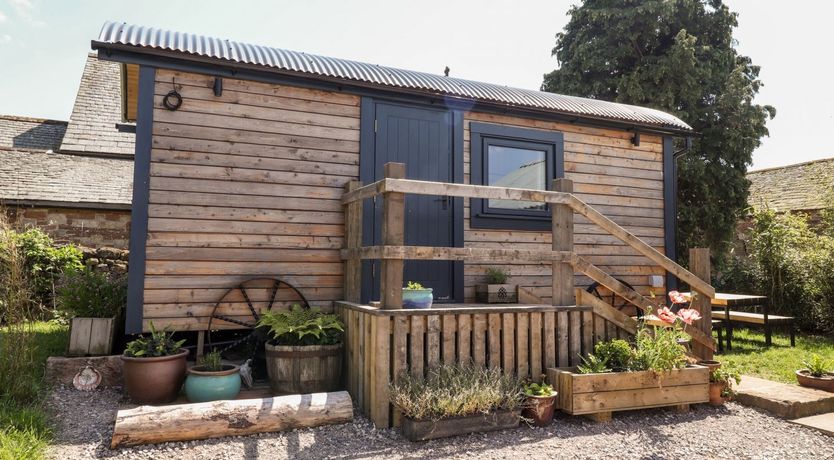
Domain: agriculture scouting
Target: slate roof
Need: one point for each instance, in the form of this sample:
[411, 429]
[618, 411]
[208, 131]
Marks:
[31, 133]
[136, 38]
[97, 110]
[29, 177]
[799, 187]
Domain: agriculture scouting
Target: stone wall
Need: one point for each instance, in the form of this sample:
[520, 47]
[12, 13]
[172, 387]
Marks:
[106, 259]
[93, 228]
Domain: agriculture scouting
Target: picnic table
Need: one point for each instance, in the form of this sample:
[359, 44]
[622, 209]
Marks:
[729, 303]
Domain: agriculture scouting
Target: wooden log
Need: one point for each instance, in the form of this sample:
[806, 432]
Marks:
[562, 240]
[700, 265]
[186, 422]
[393, 234]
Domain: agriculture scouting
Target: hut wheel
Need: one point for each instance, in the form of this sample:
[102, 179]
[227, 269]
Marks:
[232, 327]
[611, 298]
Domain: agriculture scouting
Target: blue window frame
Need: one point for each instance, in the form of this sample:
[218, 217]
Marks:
[508, 156]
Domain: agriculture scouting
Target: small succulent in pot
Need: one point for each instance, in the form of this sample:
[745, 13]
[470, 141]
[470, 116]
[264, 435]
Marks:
[818, 373]
[541, 402]
[416, 296]
[154, 367]
[211, 380]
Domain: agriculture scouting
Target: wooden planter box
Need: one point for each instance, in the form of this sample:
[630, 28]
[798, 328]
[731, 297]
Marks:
[91, 336]
[601, 394]
[422, 430]
[496, 293]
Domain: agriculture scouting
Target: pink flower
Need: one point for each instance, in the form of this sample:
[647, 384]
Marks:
[676, 297]
[688, 315]
[666, 315]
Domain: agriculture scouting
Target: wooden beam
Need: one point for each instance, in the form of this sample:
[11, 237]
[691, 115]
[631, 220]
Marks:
[393, 234]
[606, 311]
[466, 254]
[353, 240]
[562, 229]
[417, 187]
[623, 235]
[186, 422]
[361, 193]
[593, 272]
[700, 265]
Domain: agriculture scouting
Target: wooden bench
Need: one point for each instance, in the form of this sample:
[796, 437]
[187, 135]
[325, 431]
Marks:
[725, 312]
[761, 319]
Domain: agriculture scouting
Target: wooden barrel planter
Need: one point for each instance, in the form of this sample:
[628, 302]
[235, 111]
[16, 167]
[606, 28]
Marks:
[304, 369]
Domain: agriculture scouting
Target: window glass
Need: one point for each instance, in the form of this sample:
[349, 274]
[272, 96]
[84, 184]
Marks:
[517, 168]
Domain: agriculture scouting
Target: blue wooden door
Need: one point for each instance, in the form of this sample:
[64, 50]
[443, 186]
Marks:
[422, 139]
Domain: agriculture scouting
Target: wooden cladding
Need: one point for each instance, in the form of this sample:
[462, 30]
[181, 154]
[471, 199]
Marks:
[524, 341]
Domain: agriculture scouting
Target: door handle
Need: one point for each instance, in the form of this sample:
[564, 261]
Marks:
[444, 202]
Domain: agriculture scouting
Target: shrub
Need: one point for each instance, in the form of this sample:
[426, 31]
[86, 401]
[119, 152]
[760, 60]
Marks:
[658, 350]
[593, 364]
[158, 343]
[453, 390]
[211, 362]
[302, 326]
[44, 262]
[89, 294]
[616, 353]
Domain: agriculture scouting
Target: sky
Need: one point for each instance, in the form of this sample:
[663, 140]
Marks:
[43, 45]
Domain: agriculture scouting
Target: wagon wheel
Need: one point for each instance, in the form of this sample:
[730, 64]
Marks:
[611, 298]
[232, 327]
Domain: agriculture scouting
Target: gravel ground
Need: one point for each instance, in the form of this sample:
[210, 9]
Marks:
[84, 424]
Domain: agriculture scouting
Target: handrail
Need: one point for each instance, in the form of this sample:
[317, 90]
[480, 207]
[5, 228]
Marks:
[418, 187]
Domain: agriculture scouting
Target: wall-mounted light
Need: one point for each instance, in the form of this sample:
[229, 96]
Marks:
[635, 140]
[218, 86]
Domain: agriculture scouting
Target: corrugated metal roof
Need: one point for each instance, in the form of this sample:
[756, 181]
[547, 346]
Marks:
[292, 61]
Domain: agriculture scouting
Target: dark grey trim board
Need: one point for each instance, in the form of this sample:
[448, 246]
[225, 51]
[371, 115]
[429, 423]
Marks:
[66, 204]
[176, 61]
[670, 207]
[457, 203]
[479, 133]
[139, 214]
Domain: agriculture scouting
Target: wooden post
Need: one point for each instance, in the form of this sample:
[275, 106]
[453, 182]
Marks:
[699, 266]
[393, 234]
[353, 240]
[563, 294]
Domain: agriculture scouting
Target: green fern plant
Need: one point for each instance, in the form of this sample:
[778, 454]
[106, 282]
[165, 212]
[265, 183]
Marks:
[817, 366]
[302, 326]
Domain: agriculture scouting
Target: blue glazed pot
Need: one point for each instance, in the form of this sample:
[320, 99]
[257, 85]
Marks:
[417, 298]
[204, 386]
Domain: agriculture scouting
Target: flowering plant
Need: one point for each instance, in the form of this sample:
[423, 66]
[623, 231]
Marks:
[686, 315]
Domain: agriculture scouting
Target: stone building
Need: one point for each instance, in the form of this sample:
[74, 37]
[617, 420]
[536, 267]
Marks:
[73, 179]
[802, 187]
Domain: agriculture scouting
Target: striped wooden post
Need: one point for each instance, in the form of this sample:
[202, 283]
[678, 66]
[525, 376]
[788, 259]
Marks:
[393, 234]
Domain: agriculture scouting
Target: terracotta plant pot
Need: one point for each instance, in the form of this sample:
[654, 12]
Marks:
[712, 365]
[540, 409]
[715, 390]
[202, 385]
[154, 380]
[825, 383]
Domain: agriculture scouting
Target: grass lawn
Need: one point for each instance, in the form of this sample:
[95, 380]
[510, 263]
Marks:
[24, 427]
[778, 362]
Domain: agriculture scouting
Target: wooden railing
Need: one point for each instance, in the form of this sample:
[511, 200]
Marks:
[563, 204]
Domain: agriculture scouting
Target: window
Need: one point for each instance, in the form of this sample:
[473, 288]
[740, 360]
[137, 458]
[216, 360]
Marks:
[505, 156]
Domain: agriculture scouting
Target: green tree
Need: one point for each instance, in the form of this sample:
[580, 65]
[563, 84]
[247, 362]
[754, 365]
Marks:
[677, 56]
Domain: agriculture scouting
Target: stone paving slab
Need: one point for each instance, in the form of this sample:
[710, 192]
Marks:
[783, 400]
[823, 422]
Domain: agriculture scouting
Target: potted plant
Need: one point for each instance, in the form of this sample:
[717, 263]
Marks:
[653, 370]
[720, 388]
[94, 302]
[154, 367]
[211, 380]
[496, 290]
[540, 404]
[817, 374]
[304, 354]
[416, 296]
[455, 399]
